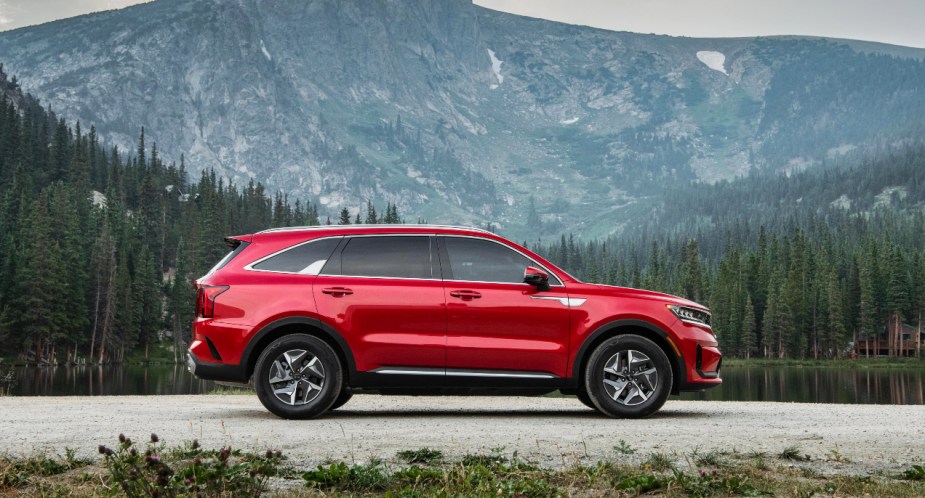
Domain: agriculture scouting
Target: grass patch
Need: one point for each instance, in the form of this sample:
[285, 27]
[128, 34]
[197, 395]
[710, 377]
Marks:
[860, 363]
[153, 469]
[713, 458]
[916, 473]
[793, 453]
[660, 461]
[424, 456]
[158, 353]
[18, 472]
[192, 471]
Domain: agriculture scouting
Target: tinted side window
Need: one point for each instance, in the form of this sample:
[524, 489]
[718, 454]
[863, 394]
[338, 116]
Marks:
[401, 257]
[307, 258]
[479, 260]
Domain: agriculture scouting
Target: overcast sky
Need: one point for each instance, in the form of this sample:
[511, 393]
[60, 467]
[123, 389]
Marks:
[900, 22]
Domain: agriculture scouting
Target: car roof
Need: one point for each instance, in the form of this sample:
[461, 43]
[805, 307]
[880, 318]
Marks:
[384, 227]
[333, 230]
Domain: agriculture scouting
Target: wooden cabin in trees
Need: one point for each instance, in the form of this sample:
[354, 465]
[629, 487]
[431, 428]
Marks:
[896, 340]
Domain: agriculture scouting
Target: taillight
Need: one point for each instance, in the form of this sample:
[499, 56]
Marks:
[205, 299]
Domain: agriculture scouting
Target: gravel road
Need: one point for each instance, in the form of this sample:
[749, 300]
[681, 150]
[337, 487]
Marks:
[551, 431]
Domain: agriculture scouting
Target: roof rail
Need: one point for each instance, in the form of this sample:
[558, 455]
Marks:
[381, 225]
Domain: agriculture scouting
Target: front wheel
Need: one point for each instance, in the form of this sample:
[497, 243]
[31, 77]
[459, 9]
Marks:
[585, 400]
[298, 376]
[628, 376]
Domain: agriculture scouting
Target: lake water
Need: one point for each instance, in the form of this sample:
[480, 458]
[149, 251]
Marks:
[903, 386]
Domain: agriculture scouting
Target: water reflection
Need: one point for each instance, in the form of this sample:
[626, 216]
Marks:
[819, 385]
[790, 384]
[107, 380]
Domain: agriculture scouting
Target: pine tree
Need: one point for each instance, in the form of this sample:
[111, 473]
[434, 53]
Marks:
[749, 338]
[103, 262]
[371, 218]
[835, 329]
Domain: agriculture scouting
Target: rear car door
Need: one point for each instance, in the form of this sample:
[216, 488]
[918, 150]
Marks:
[496, 324]
[382, 294]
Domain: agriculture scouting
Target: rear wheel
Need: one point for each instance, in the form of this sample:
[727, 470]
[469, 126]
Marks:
[298, 376]
[342, 400]
[628, 376]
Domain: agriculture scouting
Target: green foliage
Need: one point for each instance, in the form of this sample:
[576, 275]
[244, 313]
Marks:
[916, 473]
[793, 453]
[642, 483]
[716, 483]
[99, 248]
[474, 475]
[7, 379]
[199, 473]
[660, 461]
[425, 456]
[362, 478]
[806, 293]
[17, 472]
[711, 458]
[623, 448]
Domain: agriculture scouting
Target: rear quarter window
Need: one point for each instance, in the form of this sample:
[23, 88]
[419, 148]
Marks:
[307, 258]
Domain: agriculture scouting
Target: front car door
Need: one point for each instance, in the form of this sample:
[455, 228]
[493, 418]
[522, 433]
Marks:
[382, 294]
[496, 324]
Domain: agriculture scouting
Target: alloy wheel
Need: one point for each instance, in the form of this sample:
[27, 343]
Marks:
[296, 377]
[630, 377]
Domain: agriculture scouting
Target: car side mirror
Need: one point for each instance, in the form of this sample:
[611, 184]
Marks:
[537, 278]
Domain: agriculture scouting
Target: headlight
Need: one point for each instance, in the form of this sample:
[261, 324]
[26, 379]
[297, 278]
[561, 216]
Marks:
[690, 315]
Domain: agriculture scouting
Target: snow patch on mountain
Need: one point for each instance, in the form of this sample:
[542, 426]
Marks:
[886, 197]
[843, 202]
[713, 60]
[495, 68]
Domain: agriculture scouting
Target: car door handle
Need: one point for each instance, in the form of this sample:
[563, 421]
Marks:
[465, 295]
[337, 291]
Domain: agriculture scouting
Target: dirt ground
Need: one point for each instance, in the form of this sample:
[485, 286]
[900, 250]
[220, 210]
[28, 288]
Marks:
[553, 432]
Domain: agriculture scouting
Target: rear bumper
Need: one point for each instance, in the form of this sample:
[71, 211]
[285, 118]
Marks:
[215, 371]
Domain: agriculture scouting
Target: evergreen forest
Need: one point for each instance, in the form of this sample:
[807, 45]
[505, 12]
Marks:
[99, 247]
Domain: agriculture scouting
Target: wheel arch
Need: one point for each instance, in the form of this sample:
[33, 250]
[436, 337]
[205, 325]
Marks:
[631, 327]
[297, 325]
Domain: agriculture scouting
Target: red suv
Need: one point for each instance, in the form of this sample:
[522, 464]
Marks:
[316, 314]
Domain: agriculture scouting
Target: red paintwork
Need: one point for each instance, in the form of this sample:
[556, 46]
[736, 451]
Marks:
[387, 322]
[505, 329]
[430, 323]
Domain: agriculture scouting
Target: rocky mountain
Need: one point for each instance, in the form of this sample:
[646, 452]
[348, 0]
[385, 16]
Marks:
[461, 114]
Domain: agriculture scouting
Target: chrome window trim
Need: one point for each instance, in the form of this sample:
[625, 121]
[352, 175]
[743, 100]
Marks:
[250, 266]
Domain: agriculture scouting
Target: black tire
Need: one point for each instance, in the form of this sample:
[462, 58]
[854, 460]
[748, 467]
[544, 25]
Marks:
[317, 367]
[632, 390]
[583, 397]
[342, 400]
